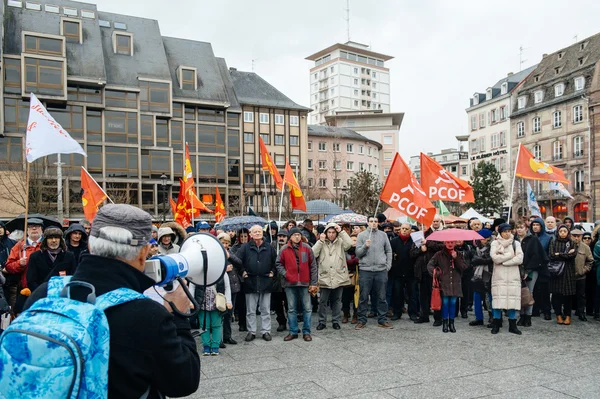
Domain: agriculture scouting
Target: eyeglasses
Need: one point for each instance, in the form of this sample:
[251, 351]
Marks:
[587, 238]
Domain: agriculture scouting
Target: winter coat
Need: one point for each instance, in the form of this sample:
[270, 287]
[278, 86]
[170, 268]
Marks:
[402, 264]
[583, 261]
[180, 233]
[451, 272]
[40, 267]
[172, 248]
[6, 245]
[481, 258]
[149, 347]
[351, 260]
[535, 258]
[543, 236]
[310, 236]
[82, 248]
[297, 266]
[257, 262]
[234, 275]
[331, 258]
[223, 286]
[506, 278]
[422, 258]
[378, 256]
[565, 284]
[13, 266]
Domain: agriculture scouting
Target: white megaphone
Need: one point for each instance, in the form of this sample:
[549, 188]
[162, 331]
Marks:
[201, 260]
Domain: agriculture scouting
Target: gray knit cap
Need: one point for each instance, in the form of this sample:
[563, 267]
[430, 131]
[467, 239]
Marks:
[127, 217]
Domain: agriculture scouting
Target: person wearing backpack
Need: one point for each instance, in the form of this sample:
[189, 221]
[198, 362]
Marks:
[140, 348]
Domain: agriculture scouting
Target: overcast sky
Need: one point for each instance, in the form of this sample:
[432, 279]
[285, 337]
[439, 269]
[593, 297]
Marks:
[444, 50]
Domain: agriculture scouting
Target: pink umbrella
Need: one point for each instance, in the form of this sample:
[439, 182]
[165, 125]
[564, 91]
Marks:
[454, 235]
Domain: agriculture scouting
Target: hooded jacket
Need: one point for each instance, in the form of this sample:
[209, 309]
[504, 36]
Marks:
[535, 258]
[180, 233]
[172, 248]
[82, 247]
[331, 257]
[543, 236]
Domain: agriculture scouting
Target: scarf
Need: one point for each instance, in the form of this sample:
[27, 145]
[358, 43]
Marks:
[404, 238]
[53, 253]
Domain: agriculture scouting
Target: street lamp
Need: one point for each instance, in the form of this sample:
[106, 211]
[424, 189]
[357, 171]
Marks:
[163, 181]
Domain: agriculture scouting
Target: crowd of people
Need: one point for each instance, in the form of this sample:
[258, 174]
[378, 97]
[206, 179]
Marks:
[350, 274]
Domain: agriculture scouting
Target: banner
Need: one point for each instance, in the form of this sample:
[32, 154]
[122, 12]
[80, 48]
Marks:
[561, 189]
[528, 167]
[92, 195]
[443, 185]
[403, 192]
[187, 186]
[267, 164]
[296, 196]
[532, 202]
[220, 211]
[45, 136]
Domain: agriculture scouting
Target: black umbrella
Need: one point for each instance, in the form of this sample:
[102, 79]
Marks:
[18, 223]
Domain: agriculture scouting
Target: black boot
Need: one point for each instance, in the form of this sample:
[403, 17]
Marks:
[445, 325]
[451, 326]
[597, 316]
[582, 315]
[495, 326]
[521, 321]
[437, 323]
[512, 327]
[527, 321]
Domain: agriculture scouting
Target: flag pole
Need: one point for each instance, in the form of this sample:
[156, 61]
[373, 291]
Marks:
[376, 209]
[512, 186]
[265, 184]
[26, 208]
[280, 207]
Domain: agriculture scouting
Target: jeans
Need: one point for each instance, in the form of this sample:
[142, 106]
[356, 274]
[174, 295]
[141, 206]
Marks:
[227, 318]
[528, 310]
[448, 306]
[478, 304]
[400, 290]
[334, 296]
[376, 281]
[497, 314]
[562, 305]
[212, 336]
[299, 296]
[425, 297]
[263, 300]
[580, 287]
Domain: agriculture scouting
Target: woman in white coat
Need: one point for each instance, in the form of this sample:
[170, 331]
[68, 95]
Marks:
[506, 278]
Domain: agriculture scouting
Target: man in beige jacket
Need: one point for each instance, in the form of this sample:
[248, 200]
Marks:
[583, 264]
[330, 251]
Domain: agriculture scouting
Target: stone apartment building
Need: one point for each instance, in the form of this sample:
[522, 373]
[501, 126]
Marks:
[132, 98]
[551, 117]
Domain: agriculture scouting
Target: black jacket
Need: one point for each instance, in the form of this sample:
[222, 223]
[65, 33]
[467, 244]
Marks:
[148, 345]
[402, 264]
[258, 262]
[310, 236]
[6, 245]
[534, 256]
[40, 267]
[81, 249]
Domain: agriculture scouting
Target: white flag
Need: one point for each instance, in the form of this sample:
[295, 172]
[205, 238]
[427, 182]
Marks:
[45, 136]
[532, 202]
[556, 186]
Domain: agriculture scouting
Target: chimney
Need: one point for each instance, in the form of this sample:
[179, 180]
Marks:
[544, 55]
[232, 69]
[510, 74]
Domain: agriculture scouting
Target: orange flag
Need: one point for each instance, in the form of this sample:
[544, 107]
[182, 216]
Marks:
[220, 211]
[267, 164]
[403, 192]
[187, 187]
[92, 195]
[528, 167]
[443, 185]
[296, 197]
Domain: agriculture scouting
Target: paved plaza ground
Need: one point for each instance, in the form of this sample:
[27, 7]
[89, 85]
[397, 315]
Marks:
[411, 361]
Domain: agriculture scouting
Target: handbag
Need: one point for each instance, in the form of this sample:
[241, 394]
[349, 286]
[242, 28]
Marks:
[221, 302]
[556, 268]
[526, 297]
[436, 296]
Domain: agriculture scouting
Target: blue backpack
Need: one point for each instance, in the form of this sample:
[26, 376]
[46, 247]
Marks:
[59, 347]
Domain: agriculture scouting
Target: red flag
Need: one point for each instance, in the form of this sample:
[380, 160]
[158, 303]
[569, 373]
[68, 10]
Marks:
[187, 187]
[296, 197]
[267, 164]
[443, 185]
[220, 211]
[92, 195]
[528, 167]
[403, 192]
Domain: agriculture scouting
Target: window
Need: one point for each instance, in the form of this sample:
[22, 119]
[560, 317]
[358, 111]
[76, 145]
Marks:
[211, 139]
[310, 164]
[12, 75]
[374, 87]
[322, 165]
[473, 122]
[71, 30]
[355, 71]
[494, 141]
[475, 99]
[577, 114]
[488, 94]
[387, 156]
[211, 170]
[310, 146]
[521, 102]
[88, 14]
[84, 94]
[559, 89]
[322, 183]
[482, 144]
[44, 45]
[155, 96]
[187, 78]
[51, 8]
[248, 178]
[349, 165]
[355, 82]
[520, 129]
[337, 165]
[578, 146]
[279, 160]
[44, 76]
[481, 120]
[556, 118]
[120, 99]
[123, 43]
[279, 119]
[350, 148]
[311, 182]
[557, 150]
[503, 90]
[147, 130]
[386, 171]
[121, 127]
[474, 146]
[361, 149]
[336, 147]
[537, 151]
[537, 125]
[356, 103]
[579, 181]
[322, 146]
[388, 140]
[579, 83]
[494, 113]
[249, 158]
[538, 96]
[248, 116]
[122, 162]
[502, 113]
[264, 118]
[279, 139]
[266, 137]
[361, 166]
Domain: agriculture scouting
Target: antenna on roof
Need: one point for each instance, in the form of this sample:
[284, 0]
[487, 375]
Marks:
[575, 37]
[521, 60]
[253, 61]
[347, 9]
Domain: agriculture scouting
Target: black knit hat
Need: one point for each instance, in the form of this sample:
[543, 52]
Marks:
[294, 230]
